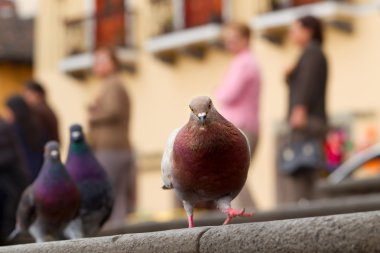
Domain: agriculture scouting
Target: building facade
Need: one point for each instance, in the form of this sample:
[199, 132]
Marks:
[171, 52]
[16, 50]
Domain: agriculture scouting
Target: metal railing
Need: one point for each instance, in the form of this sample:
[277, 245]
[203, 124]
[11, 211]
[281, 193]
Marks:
[275, 5]
[82, 35]
[171, 15]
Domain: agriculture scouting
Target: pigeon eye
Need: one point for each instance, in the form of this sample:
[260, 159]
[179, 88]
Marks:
[209, 106]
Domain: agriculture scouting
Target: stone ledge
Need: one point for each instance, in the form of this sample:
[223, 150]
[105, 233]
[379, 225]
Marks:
[357, 232]
[347, 233]
[182, 240]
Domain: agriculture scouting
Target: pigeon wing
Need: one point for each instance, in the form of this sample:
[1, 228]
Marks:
[167, 161]
[246, 139]
[26, 211]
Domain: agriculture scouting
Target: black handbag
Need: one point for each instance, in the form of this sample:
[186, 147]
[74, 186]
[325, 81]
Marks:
[297, 153]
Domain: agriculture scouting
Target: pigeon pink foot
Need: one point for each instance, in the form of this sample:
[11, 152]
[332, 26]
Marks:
[190, 221]
[232, 213]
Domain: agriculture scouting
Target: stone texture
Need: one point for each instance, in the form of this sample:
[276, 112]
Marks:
[354, 233]
[181, 241]
[322, 207]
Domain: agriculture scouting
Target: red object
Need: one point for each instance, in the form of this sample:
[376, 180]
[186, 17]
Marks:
[334, 148]
[200, 12]
[110, 23]
[303, 2]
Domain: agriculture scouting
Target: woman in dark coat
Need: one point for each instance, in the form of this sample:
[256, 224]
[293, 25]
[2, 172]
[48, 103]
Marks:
[13, 178]
[307, 83]
[28, 132]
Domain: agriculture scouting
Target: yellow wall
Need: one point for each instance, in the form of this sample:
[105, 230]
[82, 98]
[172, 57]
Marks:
[12, 79]
[161, 92]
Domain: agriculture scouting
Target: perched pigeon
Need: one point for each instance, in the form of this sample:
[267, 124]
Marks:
[94, 186]
[206, 160]
[50, 203]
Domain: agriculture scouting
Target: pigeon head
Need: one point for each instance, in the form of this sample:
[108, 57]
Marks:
[201, 109]
[76, 133]
[52, 150]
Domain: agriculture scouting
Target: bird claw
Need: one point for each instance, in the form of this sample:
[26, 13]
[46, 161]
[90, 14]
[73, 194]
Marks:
[232, 213]
[190, 221]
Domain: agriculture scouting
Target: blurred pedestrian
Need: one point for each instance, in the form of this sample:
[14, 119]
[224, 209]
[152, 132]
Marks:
[307, 83]
[28, 132]
[35, 96]
[239, 93]
[14, 178]
[109, 119]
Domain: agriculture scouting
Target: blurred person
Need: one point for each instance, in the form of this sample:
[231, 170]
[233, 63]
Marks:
[28, 132]
[238, 95]
[14, 178]
[307, 83]
[35, 96]
[109, 120]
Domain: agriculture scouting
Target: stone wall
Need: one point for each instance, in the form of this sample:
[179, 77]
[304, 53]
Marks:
[357, 232]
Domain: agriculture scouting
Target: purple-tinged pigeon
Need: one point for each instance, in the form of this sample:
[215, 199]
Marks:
[94, 186]
[206, 160]
[50, 203]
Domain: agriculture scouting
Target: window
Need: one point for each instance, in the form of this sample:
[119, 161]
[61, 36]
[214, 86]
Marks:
[200, 12]
[107, 23]
[174, 15]
[189, 26]
[110, 23]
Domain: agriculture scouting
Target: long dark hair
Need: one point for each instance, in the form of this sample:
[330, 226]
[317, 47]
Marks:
[314, 25]
[25, 122]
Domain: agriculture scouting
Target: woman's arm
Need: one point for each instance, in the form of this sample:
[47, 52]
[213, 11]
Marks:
[298, 117]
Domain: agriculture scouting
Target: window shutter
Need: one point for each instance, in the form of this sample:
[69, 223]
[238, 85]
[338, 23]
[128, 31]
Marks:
[110, 23]
[200, 12]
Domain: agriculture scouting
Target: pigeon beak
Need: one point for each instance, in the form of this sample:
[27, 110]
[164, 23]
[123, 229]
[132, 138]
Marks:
[76, 135]
[54, 153]
[202, 117]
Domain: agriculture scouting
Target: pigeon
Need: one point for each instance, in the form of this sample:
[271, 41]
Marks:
[50, 202]
[206, 160]
[94, 186]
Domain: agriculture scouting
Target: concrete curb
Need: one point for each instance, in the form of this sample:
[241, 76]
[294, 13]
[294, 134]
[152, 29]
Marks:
[358, 232]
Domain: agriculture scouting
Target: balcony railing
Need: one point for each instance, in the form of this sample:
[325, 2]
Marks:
[273, 21]
[83, 35]
[175, 15]
[185, 27]
[285, 4]
[86, 33]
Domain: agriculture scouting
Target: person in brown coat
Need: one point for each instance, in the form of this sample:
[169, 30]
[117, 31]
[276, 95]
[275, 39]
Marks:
[109, 118]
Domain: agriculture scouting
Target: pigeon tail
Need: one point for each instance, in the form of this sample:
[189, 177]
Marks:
[165, 187]
[14, 234]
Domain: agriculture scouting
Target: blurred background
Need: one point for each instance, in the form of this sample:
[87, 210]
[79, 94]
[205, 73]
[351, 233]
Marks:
[171, 51]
